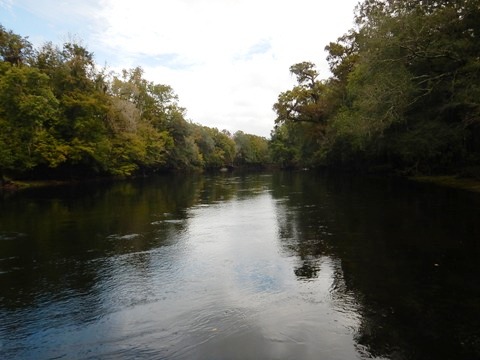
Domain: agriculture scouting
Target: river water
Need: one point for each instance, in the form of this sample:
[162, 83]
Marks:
[258, 266]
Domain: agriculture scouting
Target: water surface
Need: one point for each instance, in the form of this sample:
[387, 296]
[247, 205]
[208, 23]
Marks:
[281, 266]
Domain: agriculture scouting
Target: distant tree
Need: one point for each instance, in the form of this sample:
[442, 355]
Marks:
[61, 116]
[216, 148]
[251, 149]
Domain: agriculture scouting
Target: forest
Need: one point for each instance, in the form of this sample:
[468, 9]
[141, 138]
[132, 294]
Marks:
[403, 97]
[63, 118]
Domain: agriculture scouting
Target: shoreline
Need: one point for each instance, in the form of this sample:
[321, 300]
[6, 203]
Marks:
[18, 185]
[452, 181]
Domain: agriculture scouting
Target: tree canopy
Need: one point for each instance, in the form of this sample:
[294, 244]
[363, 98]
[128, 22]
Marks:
[62, 117]
[402, 96]
[403, 93]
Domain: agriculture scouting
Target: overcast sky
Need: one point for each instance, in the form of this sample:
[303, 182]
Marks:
[226, 59]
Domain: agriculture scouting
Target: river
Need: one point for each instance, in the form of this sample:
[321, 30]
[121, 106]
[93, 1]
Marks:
[241, 266]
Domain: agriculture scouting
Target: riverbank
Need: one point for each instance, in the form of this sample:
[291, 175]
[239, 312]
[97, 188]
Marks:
[16, 185]
[452, 181]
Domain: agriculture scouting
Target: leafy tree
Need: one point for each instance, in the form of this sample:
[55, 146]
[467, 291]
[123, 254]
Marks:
[225, 146]
[61, 116]
[302, 118]
[28, 116]
[217, 148]
[138, 116]
[283, 147]
[403, 92]
[83, 105]
[14, 49]
[416, 64]
[251, 149]
[304, 103]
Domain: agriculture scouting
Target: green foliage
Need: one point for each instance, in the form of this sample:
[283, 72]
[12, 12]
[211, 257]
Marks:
[217, 148]
[283, 147]
[403, 93]
[13, 48]
[251, 149]
[28, 115]
[429, 147]
[60, 117]
[306, 102]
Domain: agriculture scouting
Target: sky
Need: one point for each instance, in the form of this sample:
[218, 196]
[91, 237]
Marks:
[227, 60]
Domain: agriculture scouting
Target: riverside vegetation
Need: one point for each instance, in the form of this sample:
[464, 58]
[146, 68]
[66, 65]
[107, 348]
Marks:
[62, 118]
[403, 97]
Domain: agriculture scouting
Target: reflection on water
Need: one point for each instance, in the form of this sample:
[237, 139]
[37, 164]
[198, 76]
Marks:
[279, 266]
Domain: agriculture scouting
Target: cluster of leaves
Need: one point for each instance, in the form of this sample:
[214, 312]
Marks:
[61, 117]
[403, 93]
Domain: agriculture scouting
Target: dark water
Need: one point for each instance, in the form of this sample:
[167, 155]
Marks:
[282, 266]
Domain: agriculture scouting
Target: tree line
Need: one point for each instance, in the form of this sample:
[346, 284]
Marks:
[404, 94]
[62, 117]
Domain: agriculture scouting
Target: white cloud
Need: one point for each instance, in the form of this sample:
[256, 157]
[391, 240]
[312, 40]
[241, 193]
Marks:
[226, 59]
[6, 4]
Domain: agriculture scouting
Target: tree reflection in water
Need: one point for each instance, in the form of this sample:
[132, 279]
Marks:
[406, 253]
[312, 265]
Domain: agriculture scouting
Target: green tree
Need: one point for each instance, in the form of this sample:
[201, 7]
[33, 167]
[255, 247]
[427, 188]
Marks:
[306, 101]
[83, 106]
[14, 49]
[403, 90]
[216, 148]
[28, 117]
[137, 120]
[225, 146]
[303, 114]
[413, 81]
[251, 150]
